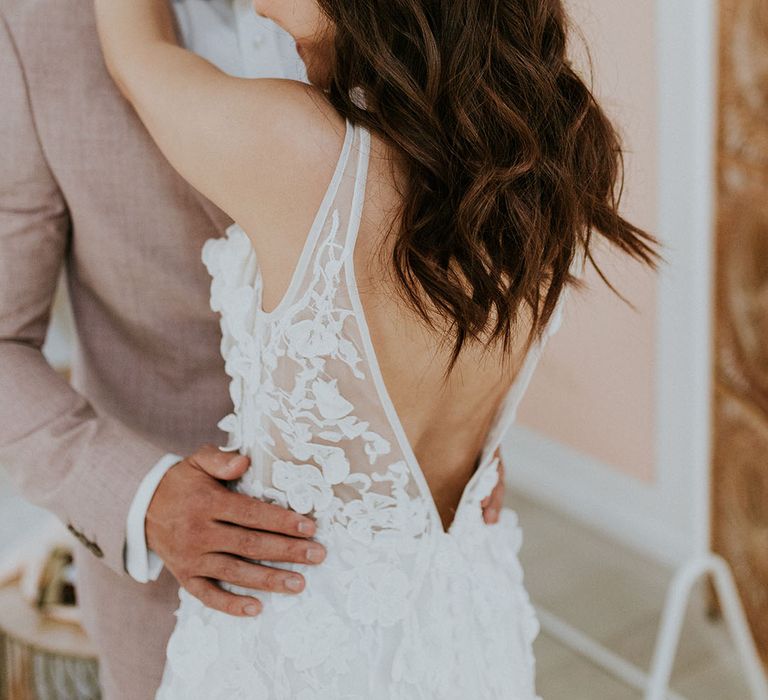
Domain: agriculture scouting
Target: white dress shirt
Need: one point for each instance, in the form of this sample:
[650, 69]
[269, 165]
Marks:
[233, 37]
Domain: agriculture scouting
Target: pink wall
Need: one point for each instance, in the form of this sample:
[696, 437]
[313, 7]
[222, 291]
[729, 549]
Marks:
[595, 387]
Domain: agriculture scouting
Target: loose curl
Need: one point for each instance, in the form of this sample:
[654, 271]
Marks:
[509, 161]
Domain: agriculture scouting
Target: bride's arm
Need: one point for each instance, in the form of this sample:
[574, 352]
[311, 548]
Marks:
[217, 131]
[135, 34]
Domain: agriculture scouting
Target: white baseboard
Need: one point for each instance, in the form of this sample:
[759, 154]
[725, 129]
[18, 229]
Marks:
[619, 506]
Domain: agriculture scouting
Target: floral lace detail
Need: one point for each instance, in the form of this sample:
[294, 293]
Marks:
[399, 608]
[298, 417]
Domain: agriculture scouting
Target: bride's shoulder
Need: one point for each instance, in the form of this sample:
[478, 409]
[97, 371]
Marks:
[295, 116]
[288, 152]
[284, 137]
[290, 123]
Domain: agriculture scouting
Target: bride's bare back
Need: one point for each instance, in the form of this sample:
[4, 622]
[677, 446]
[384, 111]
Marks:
[445, 422]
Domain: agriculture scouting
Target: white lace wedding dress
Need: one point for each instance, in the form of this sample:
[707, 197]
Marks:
[400, 609]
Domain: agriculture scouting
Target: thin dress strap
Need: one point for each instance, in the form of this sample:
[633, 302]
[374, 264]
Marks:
[507, 413]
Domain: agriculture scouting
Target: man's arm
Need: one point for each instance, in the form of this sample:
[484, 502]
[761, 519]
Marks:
[83, 467]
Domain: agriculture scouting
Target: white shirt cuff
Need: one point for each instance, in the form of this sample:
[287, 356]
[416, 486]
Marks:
[141, 563]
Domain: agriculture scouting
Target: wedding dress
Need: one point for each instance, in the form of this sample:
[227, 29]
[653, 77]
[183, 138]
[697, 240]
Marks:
[400, 609]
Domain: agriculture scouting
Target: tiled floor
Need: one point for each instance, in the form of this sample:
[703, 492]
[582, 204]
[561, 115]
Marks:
[616, 596]
[591, 582]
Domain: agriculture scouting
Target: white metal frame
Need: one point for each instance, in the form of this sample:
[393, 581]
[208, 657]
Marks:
[655, 683]
[669, 519]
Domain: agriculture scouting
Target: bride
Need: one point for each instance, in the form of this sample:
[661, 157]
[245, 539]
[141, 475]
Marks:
[407, 230]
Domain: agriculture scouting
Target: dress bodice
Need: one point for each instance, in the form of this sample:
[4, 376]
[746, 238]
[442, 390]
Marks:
[400, 608]
[311, 408]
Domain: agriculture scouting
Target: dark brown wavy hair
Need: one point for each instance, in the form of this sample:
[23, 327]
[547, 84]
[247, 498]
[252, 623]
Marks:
[510, 163]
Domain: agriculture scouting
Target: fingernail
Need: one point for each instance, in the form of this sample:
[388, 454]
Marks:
[306, 527]
[234, 462]
[314, 554]
[251, 609]
[293, 583]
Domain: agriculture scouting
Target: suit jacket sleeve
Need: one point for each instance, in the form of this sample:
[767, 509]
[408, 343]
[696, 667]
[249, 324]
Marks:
[63, 455]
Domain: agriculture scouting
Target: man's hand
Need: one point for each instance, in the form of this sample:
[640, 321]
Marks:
[201, 530]
[492, 504]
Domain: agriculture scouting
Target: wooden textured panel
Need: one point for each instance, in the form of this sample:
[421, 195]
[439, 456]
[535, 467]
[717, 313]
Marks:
[740, 416]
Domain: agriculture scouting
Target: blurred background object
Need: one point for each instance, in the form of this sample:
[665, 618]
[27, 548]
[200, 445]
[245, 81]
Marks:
[44, 652]
[740, 427]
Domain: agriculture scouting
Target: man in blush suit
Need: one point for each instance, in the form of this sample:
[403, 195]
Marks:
[83, 188]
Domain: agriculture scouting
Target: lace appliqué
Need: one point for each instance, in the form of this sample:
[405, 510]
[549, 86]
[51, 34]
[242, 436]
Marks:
[307, 419]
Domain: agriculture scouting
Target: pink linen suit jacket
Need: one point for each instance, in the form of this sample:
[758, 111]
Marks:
[83, 189]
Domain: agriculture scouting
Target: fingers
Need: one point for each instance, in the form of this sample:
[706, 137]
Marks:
[252, 513]
[219, 464]
[225, 567]
[212, 596]
[253, 544]
[493, 503]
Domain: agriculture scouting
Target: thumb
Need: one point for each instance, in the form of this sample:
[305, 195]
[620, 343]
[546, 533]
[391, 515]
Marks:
[220, 464]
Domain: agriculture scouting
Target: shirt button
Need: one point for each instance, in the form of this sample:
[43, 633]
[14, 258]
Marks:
[258, 40]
